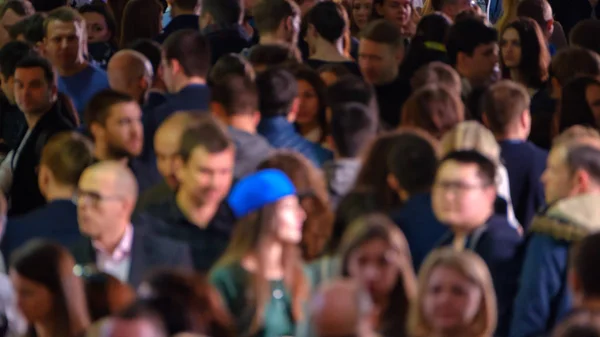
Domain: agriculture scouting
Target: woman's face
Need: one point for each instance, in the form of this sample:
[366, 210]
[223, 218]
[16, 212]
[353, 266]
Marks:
[396, 11]
[451, 301]
[361, 12]
[34, 300]
[289, 219]
[97, 29]
[375, 265]
[309, 104]
[510, 47]
[592, 96]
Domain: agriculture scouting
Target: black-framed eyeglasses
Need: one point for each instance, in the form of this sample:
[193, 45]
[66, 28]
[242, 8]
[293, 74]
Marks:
[93, 197]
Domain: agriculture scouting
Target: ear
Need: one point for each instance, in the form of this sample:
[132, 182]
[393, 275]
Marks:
[393, 182]
[179, 167]
[256, 118]
[44, 177]
[312, 31]
[97, 131]
[175, 66]
[582, 181]
[485, 120]
[550, 27]
[291, 117]
[526, 120]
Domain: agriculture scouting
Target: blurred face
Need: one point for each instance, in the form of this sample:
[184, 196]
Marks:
[510, 46]
[482, 64]
[361, 12]
[100, 205]
[461, 199]
[123, 132]
[289, 218]
[64, 43]
[97, 29]
[206, 177]
[374, 264]
[8, 87]
[378, 62]
[592, 96]
[33, 94]
[451, 301]
[309, 104]
[557, 178]
[7, 21]
[34, 300]
[166, 148]
[132, 328]
[396, 11]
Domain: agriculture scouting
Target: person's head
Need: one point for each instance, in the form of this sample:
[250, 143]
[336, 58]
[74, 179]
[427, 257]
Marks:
[221, 12]
[233, 97]
[433, 108]
[230, 64]
[451, 8]
[10, 54]
[583, 273]
[331, 72]
[139, 319]
[277, 94]
[311, 102]
[360, 15]
[349, 89]
[186, 55]
[63, 160]
[264, 56]
[31, 30]
[142, 19]
[34, 85]
[11, 12]
[374, 252]
[100, 23]
[506, 110]
[150, 49]
[437, 73]
[573, 168]
[471, 135]
[412, 164]
[205, 162]
[473, 49]
[65, 38]
[523, 49]
[46, 288]
[105, 197]
[581, 322]
[464, 190]
[580, 103]
[342, 308]
[584, 35]
[327, 22]
[130, 72]
[541, 12]
[352, 127]
[456, 296]
[279, 19]
[397, 12]
[167, 142]
[380, 52]
[185, 6]
[115, 122]
[570, 63]
[106, 295]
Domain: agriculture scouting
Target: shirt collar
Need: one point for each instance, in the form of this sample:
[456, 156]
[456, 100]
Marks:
[123, 249]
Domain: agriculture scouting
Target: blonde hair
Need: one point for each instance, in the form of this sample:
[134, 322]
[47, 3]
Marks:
[509, 13]
[471, 135]
[472, 267]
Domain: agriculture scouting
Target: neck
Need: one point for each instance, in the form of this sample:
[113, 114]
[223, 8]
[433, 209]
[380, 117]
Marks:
[272, 255]
[110, 242]
[513, 134]
[33, 118]
[269, 38]
[45, 329]
[59, 192]
[190, 81]
[243, 122]
[330, 52]
[75, 69]
[197, 212]
[101, 152]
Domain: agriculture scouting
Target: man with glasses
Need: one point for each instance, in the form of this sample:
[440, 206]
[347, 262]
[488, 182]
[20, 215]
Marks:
[117, 244]
[463, 199]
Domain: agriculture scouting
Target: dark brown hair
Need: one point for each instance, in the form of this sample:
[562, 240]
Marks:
[98, 108]
[268, 14]
[191, 49]
[140, 20]
[383, 31]
[503, 103]
[67, 155]
[209, 134]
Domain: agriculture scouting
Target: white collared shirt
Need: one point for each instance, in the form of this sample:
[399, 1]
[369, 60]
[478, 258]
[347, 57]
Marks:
[118, 263]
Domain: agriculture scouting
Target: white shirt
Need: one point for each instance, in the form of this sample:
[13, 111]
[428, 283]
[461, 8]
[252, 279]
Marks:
[118, 263]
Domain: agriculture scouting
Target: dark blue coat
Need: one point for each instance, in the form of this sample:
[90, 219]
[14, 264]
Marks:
[180, 22]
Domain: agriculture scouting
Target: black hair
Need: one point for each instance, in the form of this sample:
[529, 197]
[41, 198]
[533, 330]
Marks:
[150, 49]
[466, 35]
[230, 64]
[413, 162]
[486, 168]
[277, 89]
[352, 127]
[327, 20]
[191, 49]
[34, 61]
[224, 12]
[585, 34]
[32, 28]
[11, 54]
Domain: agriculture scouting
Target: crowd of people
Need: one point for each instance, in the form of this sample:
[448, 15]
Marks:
[299, 168]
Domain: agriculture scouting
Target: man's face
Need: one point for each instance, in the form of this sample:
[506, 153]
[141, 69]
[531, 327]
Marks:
[64, 43]
[33, 93]
[459, 7]
[7, 21]
[207, 177]
[557, 178]
[460, 197]
[378, 62]
[482, 64]
[123, 130]
[168, 74]
[166, 148]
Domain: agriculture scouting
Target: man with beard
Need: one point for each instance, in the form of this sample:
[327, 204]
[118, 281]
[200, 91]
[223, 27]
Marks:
[115, 122]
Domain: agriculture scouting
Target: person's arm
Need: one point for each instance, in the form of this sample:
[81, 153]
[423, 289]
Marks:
[6, 173]
[542, 278]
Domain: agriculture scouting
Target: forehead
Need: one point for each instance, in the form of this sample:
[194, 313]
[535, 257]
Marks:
[510, 33]
[485, 48]
[96, 180]
[453, 170]
[32, 73]
[557, 156]
[58, 28]
[124, 109]
[375, 48]
[396, 2]
[201, 157]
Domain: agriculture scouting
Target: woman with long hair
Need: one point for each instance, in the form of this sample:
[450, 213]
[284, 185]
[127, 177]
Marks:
[524, 56]
[311, 120]
[142, 19]
[579, 104]
[49, 294]
[101, 31]
[360, 15]
[261, 274]
[455, 297]
[375, 252]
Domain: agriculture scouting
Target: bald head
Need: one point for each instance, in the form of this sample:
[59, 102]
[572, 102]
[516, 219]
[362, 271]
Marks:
[338, 309]
[117, 176]
[130, 72]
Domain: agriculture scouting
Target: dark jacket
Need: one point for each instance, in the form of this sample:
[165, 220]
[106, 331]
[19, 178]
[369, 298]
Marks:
[146, 174]
[180, 22]
[340, 175]
[525, 164]
[12, 123]
[148, 252]
[544, 298]
[498, 244]
[225, 40]
[25, 193]
[250, 151]
[154, 195]
[57, 221]
[281, 134]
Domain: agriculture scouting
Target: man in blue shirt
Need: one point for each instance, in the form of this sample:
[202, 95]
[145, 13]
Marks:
[64, 42]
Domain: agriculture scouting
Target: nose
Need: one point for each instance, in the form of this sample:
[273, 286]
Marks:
[371, 273]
